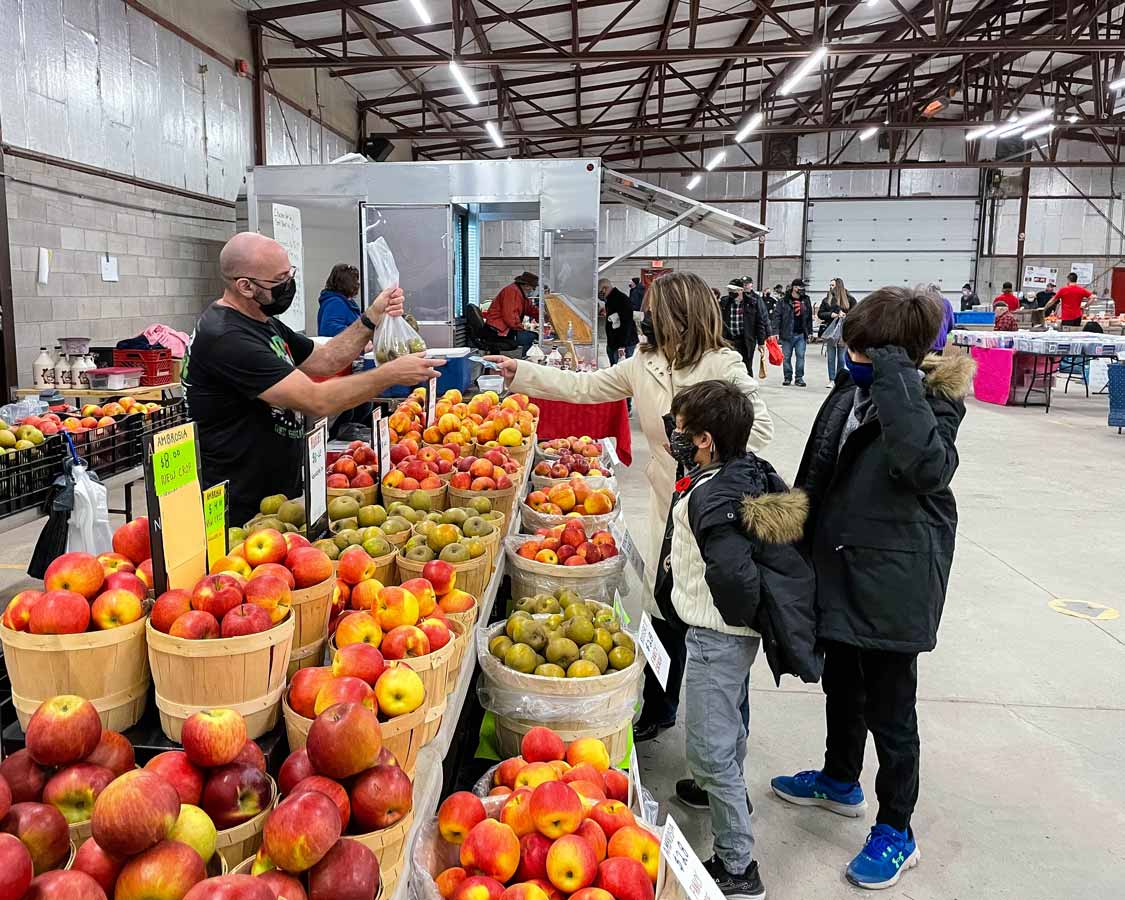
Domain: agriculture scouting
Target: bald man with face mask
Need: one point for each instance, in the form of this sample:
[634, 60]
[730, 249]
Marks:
[247, 378]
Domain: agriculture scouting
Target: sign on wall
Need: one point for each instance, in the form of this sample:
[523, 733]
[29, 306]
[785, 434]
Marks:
[287, 232]
[1084, 271]
[1036, 278]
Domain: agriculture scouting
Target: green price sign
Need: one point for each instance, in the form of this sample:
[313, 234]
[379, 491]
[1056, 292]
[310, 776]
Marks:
[173, 460]
[215, 509]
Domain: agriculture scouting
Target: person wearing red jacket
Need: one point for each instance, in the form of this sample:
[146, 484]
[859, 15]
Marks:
[507, 310]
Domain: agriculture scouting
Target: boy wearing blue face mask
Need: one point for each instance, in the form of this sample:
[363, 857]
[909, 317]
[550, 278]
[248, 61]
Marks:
[732, 574]
[882, 521]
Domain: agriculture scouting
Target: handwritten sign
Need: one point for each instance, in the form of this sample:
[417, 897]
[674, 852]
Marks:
[215, 520]
[686, 865]
[384, 448]
[287, 232]
[173, 459]
[431, 402]
[657, 656]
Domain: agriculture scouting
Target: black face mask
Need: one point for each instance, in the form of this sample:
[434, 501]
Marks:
[647, 330]
[281, 298]
[683, 449]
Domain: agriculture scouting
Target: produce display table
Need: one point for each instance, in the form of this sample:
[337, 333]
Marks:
[147, 394]
[560, 419]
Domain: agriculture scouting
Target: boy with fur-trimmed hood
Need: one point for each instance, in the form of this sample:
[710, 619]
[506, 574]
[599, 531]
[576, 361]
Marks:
[731, 572]
[881, 528]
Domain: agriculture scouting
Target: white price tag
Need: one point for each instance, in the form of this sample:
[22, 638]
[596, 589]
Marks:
[657, 656]
[317, 446]
[431, 402]
[633, 555]
[384, 449]
[685, 864]
[636, 792]
[376, 417]
[611, 450]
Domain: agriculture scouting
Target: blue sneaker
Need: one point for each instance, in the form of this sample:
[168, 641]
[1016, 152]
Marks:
[886, 855]
[816, 789]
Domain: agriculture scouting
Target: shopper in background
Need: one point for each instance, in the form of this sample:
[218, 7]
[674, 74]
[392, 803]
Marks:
[686, 347]
[729, 563]
[1007, 297]
[947, 319]
[969, 298]
[508, 309]
[338, 307]
[1074, 299]
[636, 294]
[620, 329]
[745, 320]
[792, 323]
[882, 525]
[1004, 320]
[833, 309]
[1043, 297]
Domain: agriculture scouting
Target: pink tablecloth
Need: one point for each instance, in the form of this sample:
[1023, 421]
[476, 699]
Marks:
[559, 419]
[993, 381]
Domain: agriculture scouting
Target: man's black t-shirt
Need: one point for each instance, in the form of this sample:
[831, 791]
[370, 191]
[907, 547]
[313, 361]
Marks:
[230, 360]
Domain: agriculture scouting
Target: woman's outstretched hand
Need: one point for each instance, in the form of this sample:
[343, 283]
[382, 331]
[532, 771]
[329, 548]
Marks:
[506, 366]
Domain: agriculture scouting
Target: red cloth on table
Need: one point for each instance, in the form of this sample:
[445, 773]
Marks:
[559, 419]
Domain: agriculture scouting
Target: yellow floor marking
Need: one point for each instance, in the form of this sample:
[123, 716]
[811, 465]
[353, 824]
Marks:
[1083, 609]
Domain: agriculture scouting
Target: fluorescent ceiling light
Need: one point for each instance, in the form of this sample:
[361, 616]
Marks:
[1117, 85]
[872, 2]
[869, 132]
[979, 132]
[1020, 123]
[715, 160]
[753, 122]
[1038, 132]
[694, 183]
[420, 9]
[494, 133]
[1072, 119]
[463, 82]
[815, 59]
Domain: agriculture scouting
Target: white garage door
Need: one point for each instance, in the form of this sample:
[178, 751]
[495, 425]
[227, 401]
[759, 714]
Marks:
[872, 243]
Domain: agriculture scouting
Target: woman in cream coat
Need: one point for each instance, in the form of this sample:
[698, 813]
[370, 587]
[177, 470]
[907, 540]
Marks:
[689, 348]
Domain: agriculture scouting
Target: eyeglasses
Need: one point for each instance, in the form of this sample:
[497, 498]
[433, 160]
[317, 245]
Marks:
[264, 282]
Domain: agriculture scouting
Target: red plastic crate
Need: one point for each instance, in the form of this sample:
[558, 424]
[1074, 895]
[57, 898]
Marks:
[156, 363]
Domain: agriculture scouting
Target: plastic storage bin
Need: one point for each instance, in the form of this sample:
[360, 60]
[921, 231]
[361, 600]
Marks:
[115, 378]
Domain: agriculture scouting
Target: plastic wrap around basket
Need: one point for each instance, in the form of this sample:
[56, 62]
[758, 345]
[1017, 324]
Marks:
[544, 482]
[596, 582]
[563, 703]
[530, 519]
[437, 496]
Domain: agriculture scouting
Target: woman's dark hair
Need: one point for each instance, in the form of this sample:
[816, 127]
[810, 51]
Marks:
[720, 408]
[343, 279]
[892, 316]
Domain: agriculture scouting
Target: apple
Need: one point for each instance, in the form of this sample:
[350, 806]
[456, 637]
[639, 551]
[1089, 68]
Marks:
[333, 790]
[18, 611]
[235, 565]
[533, 857]
[168, 607]
[144, 572]
[304, 687]
[77, 572]
[251, 755]
[134, 812]
[617, 785]
[195, 828]
[423, 591]
[361, 661]
[236, 887]
[113, 752]
[179, 771]
[343, 690]
[344, 740]
[571, 864]
[611, 815]
[170, 869]
[493, 849]
[625, 879]
[591, 893]
[117, 607]
[216, 594]
[479, 887]
[293, 541]
[380, 796]
[516, 812]
[132, 541]
[525, 891]
[456, 601]
[246, 618]
[73, 790]
[272, 594]
[43, 831]
[125, 581]
[235, 794]
[588, 750]
[69, 885]
[394, 607]
[300, 831]
[349, 871]
[294, 770]
[265, 546]
[281, 885]
[365, 594]
[541, 744]
[309, 566]
[63, 730]
[405, 642]
[359, 628]
[275, 569]
[508, 770]
[115, 562]
[399, 690]
[354, 566]
[634, 842]
[457, 815]
[336, 480]
[59, 612]
[534, 774]
[99, 865]
[24, 777]
[436, 631]
[16, 867]
[195, 625]
[213, 737]
[447, 881]
[556, 809]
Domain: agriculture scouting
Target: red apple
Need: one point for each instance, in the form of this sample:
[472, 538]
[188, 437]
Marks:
[24, 776]
[362, 661]
[43, 831]
[5, 798]
[59, 612]
[349, 871]
[533, 857]
[492, 848]
[114, 752]
[300, 831]
[115, 562]
[144, 572]
[457, 815]
[63, 730]
[441, 575]
[73, 790]
[246, 618]
[131, 540]
[235, 794]
[277, 569]
[251, 755]
[541, 744]
[216, 594]
[265, 546]
[380, 797]
[175, 768]
[405, 642]
[18, 610]
[436, 632]
[294, 770]
[116, 607]
[80, 573]
[333, 790]
[282, 886]
[168, 607]
[309, 566]
[98, 864]
[213, 737]
[625, 879]
[16, 867]
[125, 581]
[237, 887]
[195, 625]
[344, 740]
[136, 811]
[617, 785]
[344, 689]
[69, 885]
[170, 869]
[479, 887]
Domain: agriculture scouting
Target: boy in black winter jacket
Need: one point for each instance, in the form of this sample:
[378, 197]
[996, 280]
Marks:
[731, 572]
[881, 529]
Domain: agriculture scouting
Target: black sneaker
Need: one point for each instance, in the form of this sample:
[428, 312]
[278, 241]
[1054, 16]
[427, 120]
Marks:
[747, 886]
[646, 731]
[801, 382]
[786, 383]
[691, 794]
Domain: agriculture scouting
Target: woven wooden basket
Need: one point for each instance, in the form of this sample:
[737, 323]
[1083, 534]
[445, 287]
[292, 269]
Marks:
[242, 841]
[311, 607]
[472, 576]
[437, 496]
[502, 500]
[519, 454]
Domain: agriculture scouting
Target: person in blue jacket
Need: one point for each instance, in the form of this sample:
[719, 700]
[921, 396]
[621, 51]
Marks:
[338, 306]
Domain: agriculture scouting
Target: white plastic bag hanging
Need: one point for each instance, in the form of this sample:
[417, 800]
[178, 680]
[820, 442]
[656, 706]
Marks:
[382, 264]
[89, 530]
[395, 337]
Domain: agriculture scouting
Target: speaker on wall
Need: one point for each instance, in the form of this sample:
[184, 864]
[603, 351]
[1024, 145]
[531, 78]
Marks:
[780, 151]
[376, 149]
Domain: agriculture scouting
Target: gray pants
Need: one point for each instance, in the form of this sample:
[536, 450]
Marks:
[716, 688]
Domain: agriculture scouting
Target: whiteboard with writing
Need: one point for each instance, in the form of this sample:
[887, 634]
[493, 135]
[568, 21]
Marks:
[287, 232]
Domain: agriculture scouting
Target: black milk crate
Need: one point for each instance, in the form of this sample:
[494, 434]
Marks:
[111, 449]
[26, 476]
[168, 416]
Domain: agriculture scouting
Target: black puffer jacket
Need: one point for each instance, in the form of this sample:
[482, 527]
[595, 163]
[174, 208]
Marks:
[786, 324]
[883, 518]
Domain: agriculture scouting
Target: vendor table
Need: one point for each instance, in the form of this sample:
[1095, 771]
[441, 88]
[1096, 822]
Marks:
[560, 419]
[147, 394]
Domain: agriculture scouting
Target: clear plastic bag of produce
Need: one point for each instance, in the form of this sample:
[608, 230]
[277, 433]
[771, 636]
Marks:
[529, 518]
[529, 577]
[396, 338]
[383, 266]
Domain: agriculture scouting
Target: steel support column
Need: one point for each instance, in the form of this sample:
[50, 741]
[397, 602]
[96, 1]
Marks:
[259, 105]
[1021, 235]
[10, 374]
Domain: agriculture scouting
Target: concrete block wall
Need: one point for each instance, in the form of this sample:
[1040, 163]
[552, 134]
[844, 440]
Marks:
[168, 264]
[993, 271]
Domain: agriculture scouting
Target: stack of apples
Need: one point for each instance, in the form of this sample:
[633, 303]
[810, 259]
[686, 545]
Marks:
[577, 446]
[356, 467]
[453, 426]
[562, 830]
[420, 470]
[569, 545]
[491, 471]
[569, 464]
[508, 424]
[249, 590]
[408, 420]
[83, 592]
[573, 498]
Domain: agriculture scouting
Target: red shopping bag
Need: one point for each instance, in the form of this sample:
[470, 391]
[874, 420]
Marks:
[773, 349]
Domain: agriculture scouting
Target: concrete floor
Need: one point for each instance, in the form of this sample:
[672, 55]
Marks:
[1022, 709]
